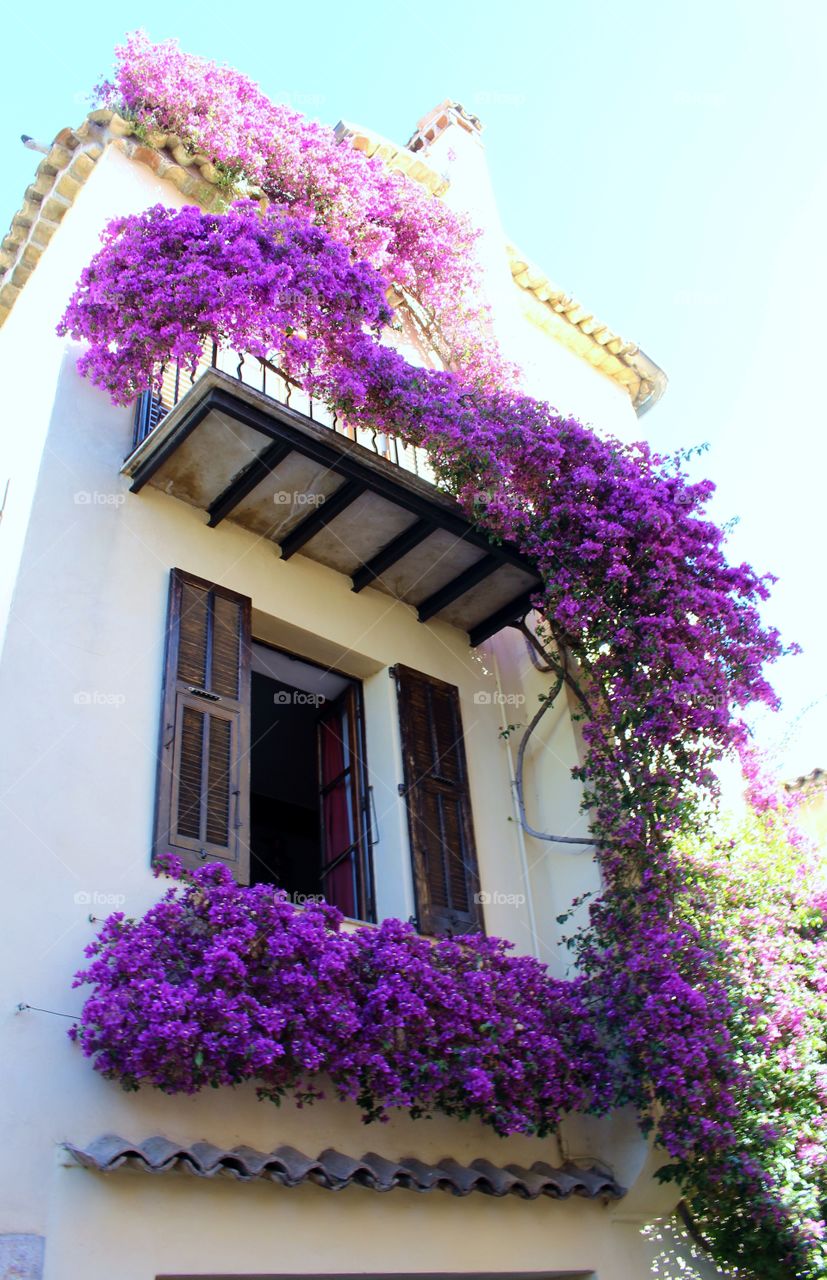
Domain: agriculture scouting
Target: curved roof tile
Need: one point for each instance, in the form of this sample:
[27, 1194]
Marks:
[333, 1170]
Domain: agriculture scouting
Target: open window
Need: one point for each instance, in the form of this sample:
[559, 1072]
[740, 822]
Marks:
[308, 796]
[262, 759]
[262, 766]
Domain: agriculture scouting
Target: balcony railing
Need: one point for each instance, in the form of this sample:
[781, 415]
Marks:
[152, 406]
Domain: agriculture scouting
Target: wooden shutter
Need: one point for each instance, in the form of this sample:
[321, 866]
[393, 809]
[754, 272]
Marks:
[439, 810]
[203, 802]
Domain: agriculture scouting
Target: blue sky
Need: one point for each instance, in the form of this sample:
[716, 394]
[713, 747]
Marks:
[665, 164]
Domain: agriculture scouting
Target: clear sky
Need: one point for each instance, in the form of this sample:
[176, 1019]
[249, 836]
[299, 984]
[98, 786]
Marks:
[664, 163]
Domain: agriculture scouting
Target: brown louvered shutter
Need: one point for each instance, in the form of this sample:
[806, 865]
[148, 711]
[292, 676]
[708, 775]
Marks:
[439, 810]
[203, 805]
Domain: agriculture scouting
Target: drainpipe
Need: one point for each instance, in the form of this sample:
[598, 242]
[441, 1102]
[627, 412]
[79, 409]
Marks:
[532, 922]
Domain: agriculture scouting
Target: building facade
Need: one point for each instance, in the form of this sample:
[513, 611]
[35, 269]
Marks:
[239, 631]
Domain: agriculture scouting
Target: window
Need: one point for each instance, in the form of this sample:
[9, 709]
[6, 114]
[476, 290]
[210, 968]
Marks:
[263, 766]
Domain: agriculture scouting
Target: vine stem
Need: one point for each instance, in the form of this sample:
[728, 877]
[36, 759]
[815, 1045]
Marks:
[519, 786]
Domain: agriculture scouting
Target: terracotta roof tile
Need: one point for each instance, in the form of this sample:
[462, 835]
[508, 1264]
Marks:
[333, 1170]
[632, 368]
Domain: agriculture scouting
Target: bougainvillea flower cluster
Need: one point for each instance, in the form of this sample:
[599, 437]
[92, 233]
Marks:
[657, 636]
[419, 244]
[261, 282]
[220, 984]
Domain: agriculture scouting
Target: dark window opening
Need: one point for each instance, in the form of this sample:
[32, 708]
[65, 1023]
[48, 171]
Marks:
[309, 827]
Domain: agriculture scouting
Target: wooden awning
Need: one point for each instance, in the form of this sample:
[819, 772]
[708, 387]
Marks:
[240, 455]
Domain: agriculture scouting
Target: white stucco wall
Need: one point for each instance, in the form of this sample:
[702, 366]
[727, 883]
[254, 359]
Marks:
[550, 370]
[80, 679]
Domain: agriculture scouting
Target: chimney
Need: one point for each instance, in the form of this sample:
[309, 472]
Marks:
[432, 125]
[449, 140]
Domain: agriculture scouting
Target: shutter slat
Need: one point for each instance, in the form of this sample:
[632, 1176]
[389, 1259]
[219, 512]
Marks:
[203, 802]
[447, 738]
[226, 641]
[192, 642]
[454, 846]
[439, 810]
[190, 773]
[219, 782]
[441, 834]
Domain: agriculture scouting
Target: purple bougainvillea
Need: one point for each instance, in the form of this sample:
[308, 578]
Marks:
[218, 984]
[418, 243]
[657, 635]
[263, 282]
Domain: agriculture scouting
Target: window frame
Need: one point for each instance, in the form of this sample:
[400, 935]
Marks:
[431, 917]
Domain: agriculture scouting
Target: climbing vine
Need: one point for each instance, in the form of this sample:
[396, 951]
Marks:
[655, 634]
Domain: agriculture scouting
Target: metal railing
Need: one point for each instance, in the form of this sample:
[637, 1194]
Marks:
[152, 406]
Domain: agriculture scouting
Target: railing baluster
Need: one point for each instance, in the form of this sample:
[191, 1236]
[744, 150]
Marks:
[164, 392]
